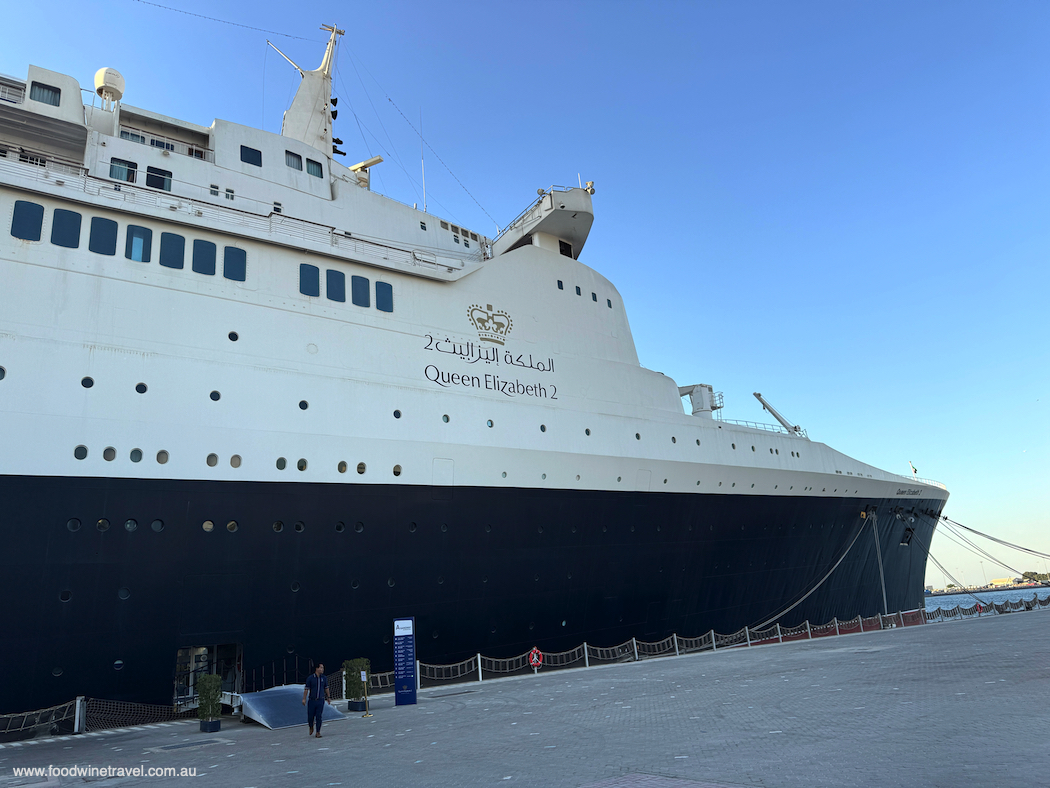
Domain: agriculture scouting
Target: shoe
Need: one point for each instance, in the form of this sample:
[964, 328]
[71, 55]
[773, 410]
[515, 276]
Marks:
[311, 733]
[317, 736]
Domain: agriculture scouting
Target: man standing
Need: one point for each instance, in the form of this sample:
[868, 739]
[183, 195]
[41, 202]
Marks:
[316, 691]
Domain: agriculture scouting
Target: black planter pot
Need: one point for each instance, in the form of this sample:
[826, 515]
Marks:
[355, 705]
[210, 726]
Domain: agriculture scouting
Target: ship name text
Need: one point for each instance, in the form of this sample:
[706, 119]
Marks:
[487, 382]
[909, 492]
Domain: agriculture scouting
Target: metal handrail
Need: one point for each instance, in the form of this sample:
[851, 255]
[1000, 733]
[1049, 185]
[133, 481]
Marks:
[168, 143]
[760, 426]
[531, 205]
[16, 95]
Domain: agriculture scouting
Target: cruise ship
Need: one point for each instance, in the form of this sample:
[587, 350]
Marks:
[254, 410]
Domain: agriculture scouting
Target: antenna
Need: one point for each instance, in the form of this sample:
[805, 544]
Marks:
[422, 164]
[279, 52]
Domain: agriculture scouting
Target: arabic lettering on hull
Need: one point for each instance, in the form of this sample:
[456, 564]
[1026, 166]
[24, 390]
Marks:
[472, 353]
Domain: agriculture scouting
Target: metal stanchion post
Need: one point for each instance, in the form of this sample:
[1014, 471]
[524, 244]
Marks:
[364, 678]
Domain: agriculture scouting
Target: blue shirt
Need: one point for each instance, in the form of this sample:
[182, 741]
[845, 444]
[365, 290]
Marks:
[316, 686]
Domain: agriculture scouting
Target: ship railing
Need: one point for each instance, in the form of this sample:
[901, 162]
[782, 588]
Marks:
[91, 714]
[757, 425]
[37, 165]
[161, 142]
[539, 198]
[16, 94]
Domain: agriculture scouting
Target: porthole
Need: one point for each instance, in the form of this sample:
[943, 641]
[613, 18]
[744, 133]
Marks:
[342, 466]
[444, 528]
[587, 431]
[539, 529]
[355, 584]
[577, 477]
[109, 454]
[118, 664]
[637, 436]
[484, 578]
[136, 455]
[697, 441]
[162, 457]
[73, 524]
[295, 588]
[445, 418]
[488, 528]
[543, 428]
[300, 526]
[488, 423]
[56, 672]
[734, 484]
[411, 528]
[397, 470]
[102, 525]
[752, 486]
[301, 465]
[278, 526]
[733, 445]
[87, 382]
[632, 529]
[282, 463]
[665, 481]
[441, 580]
[3, 373]
[235, 461]
[543, 476]
[618, 478]
[770, 451]
[140, 388]
[65, 596]
[752, 448]
[213, 460]
[397, 414]
[390, 582]
[605, 528]
[215, 396]
[504, 474]
[434, 634]
[573, 529]
[361, 467]
[123, 593]
[80, 452]
[231, 526]
[303, 404]
[233, 336]
[208, 526]
[131, 525]
[359, 527]
[674, 439]
[157, 526]
[339, 528]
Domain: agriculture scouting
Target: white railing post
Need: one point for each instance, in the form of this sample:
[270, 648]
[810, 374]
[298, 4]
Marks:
[80, 715]
[634, 642]
[836, 620]
[747, 634]
[479, 667]
[675, 636]
[780, 637]
[881, 625]
[901, 614]
[714, 645]
[586, 655]
[809, 632]
[417, 676]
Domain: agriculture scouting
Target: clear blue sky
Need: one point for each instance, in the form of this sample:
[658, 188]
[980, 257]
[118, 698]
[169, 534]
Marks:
[842, 205]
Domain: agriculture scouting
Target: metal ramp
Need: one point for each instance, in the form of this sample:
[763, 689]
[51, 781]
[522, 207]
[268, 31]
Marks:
[282, 707]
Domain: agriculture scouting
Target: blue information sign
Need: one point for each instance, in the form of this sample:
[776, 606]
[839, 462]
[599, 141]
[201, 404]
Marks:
[404, 661]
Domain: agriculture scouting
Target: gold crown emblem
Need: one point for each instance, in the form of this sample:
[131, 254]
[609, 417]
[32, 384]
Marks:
[492, 326]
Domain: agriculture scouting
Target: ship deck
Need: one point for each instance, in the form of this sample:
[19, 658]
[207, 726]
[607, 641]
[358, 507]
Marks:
[944, 704]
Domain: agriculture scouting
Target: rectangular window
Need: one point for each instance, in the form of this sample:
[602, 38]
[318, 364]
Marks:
[45, 94]
[120, 170]
[214, 189]
[229, 194]
[309, 279]
[594, 297]
[609, 302]
[251, 156]
[359, 291]
[278, 208]
[561, 286]
[157, 178]
[473, 236]
[314, 168]
[455, 229]
[27, 221]
[384, 297]
[444, 225]
[455, 238]
[131, 135]
[466, 243]
[103, 236]
[204, 257]
[235, 264]
[162, 144]
[578, 292]
[65, 228]
[422, 225]
[293, 160]
[172, 250]
[565, 249]
[335, 285]
[139, 243]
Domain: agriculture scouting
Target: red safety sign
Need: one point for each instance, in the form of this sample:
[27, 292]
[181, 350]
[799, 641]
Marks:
[535, 657]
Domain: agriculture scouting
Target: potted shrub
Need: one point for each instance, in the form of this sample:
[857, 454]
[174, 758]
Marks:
[353, 687]
[209, 702]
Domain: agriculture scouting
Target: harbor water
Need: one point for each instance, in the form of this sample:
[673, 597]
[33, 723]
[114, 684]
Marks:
[986, 596]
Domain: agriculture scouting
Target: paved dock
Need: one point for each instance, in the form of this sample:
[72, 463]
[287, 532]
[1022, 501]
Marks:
[952, 704]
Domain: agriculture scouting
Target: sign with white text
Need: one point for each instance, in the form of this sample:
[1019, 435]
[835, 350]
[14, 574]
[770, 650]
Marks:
[404, 661]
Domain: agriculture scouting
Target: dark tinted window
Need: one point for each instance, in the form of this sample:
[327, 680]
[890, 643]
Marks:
[309, 279]
[359, 291]
[103, 238]
[123, 170]
[172, 250]
[293, 160]
[565, 249]
[384, 297]
[158, 179]
[335, 285]
[45, 93]
[314, 168]
[204, 257]
[27, 221]
[138, 244]
[65, 228]
[251, 156]
[235, 264]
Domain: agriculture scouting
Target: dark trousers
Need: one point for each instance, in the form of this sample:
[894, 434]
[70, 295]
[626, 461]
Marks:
[314, 710]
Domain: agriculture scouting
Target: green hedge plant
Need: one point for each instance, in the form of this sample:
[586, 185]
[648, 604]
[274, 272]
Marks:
[209, 697]
[354, 687]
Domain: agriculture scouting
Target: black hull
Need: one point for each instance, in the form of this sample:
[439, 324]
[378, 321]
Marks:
[483, 569]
